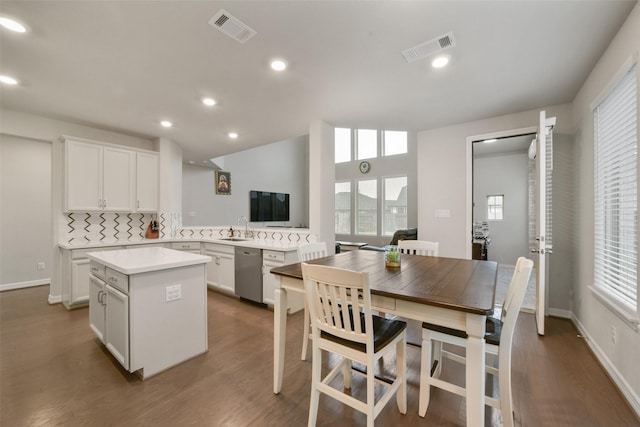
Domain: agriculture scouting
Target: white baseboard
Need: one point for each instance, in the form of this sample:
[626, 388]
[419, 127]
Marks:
[28, 284]
[620, 382]
[556, 312]
[55, 299]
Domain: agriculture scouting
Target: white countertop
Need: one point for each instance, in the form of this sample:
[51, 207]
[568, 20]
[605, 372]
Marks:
[142, 260]
[275, 245]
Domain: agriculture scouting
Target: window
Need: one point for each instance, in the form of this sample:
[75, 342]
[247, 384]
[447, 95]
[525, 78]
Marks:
[394, 214]
[343, 145]
[395, 142]
[495, 208]
[367, 144]
[616, 195]
[367, 207]
[343, 207]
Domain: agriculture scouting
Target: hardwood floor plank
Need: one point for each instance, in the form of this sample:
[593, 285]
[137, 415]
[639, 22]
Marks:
[54, 372]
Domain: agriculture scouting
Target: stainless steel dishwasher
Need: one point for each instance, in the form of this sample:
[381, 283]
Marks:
[249, 273]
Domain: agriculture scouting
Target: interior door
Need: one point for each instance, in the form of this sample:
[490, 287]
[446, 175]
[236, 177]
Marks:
[544, 168]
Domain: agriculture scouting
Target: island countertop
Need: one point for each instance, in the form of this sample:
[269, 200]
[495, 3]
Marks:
[143, 260]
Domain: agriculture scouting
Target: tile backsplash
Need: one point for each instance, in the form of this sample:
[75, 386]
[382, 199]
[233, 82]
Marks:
[104, 227]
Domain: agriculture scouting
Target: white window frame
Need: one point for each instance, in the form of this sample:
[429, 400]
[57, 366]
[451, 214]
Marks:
[383, 201]
[609, 284]
[383, 142]
[491, 205]
[356, 214]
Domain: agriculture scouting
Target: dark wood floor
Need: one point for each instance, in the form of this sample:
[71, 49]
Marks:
[54, 372]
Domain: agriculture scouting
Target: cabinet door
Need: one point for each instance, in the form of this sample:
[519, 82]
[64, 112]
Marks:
[146, 182]
[213, 270]
[117, 325]
[97, 304]
[269, 281]
[83, 176]
[227, 278]
[79, 281]
[118, 184]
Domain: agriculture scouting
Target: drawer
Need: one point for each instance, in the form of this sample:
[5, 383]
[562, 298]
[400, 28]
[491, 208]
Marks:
[118, 280]
[185, 246]
[222, 249]
[98, 270]
[276, 256]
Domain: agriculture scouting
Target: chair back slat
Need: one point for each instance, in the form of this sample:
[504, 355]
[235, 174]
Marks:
[514, 298]
[312, 251]
[336, 297]
[419, 247]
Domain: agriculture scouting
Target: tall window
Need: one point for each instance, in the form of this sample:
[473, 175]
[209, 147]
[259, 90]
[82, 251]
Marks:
[616, 195]
[394, 215]
[343, 207]
[495, 208]
[367, 207]
[343, 145]
[395, 142]
[367, 144]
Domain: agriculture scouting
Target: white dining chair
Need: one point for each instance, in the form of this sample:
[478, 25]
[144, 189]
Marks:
[342, 323]
[498, 337]
[308, 252]
[418, 247]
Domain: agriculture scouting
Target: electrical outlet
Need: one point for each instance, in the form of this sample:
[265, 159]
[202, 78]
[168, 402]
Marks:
[173, 293]
[613, 334]
[41, 266]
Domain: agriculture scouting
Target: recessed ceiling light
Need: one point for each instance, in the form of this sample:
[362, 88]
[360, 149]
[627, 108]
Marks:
[489, 141]
[440, 61]
[8, 80]
[209, 101]
[278, 65]
[12, 25]
[166, 123]
[233, 135]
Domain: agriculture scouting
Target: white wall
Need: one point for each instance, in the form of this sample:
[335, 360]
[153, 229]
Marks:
[506, 175]
[444, 157]
[595, 319]
[280, 167]
[25, 205]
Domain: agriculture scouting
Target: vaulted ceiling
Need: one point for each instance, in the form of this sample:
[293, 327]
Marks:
[127, 65]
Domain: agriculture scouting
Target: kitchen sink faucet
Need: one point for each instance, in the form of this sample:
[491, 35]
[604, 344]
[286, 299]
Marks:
[247, 233]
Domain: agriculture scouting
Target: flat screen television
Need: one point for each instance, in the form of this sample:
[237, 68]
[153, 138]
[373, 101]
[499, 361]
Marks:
[268, 206]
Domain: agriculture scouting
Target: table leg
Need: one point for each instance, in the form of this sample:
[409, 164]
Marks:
[475, 369]
[279, 336]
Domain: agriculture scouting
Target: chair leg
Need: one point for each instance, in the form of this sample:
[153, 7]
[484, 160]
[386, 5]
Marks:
[506, 400]
[436, 350]
[371, 402]
[316, 371]
[346, 372]
[305, 333]
[426, 359]
[401, 375]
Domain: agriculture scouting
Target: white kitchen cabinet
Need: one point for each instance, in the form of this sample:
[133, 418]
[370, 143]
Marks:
[272, 259]
[221, 270]
[98, 178]
[117, 325]
[97, 306]
[75, 275]
[146, 182]
[192, 247]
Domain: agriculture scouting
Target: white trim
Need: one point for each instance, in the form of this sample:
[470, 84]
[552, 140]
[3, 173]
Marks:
[627, 391]
[54, 299]
[616, 308]
[27, 284]
[624, 69]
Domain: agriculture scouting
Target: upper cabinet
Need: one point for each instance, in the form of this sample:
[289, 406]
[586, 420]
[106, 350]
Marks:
[146, 182]
[101, 177]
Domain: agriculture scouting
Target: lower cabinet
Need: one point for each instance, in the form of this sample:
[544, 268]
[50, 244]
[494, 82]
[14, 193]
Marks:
[270, 282]
[221, 269]
[97, 306]
[117, 325]
[75, 275]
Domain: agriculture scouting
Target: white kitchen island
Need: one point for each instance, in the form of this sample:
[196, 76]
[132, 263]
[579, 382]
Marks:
[149, 306]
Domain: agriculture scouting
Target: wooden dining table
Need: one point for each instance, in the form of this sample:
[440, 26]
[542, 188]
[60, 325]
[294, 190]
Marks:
[450, 292]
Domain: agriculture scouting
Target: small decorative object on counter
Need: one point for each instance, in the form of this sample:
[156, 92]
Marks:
[231, 232]
[152, 230]
[392, 256]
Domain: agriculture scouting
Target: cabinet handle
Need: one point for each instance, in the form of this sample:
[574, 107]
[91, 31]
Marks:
[104, 203]
[137, 204]
[217, 260]
[113, 279]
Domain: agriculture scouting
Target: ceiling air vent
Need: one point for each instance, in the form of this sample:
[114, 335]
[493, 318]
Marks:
[231, 26]
[430, 47]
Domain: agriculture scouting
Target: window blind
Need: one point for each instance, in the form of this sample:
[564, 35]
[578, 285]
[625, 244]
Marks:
[616, 192]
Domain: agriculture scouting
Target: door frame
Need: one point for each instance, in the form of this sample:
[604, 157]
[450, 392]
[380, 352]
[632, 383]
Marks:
[469, 167]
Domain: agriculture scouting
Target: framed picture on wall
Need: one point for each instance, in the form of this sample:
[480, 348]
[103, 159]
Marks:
[223, 182]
